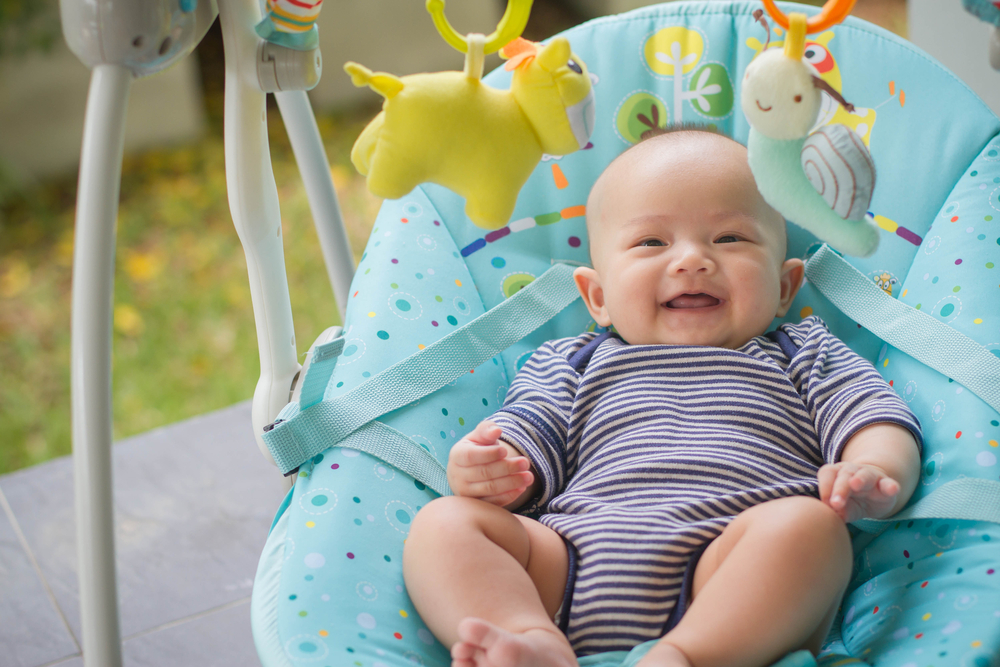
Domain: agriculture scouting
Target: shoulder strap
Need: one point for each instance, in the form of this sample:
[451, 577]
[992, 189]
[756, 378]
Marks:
[329, 422]
[923, 337]
[933, 343]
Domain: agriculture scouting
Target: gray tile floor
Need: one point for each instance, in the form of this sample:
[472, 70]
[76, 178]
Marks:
[193, 503]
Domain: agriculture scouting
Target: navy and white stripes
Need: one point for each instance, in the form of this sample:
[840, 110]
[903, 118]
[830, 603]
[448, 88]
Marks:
[653, 449]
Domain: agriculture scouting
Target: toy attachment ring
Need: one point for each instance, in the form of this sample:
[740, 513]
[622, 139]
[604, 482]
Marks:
[512, 24]
[475, 57]
[833, 12]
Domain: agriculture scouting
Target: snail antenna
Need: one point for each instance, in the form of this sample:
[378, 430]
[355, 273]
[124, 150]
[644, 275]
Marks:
[758, 15]
[829, 90]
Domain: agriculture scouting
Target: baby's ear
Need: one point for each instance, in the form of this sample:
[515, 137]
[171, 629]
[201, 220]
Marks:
[792, 272]
[589, 283]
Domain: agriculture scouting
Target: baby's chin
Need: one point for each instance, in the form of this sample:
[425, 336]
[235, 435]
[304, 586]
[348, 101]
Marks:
[692, 337]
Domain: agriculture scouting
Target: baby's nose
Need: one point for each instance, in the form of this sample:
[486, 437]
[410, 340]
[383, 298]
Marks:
[692, 259]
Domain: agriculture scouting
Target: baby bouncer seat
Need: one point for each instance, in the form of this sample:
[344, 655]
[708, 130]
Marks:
[442, 313]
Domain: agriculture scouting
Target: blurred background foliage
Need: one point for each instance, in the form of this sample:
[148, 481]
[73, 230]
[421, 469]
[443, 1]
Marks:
[28, 25]
[184, 336]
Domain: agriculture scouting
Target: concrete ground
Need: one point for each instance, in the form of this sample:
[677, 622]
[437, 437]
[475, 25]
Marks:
[193, 504]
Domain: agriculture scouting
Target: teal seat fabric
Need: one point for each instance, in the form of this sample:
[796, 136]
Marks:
[925, 593]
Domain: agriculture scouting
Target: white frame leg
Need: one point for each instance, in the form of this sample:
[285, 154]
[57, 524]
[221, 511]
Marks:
[307, 144]
[253, 201]
[93, 300]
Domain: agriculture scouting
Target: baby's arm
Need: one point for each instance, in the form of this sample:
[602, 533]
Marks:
[876, 475]
[481, 466]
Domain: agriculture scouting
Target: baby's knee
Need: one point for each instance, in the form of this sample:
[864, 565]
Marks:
[809, 524]
[454, 523]
[449, 515]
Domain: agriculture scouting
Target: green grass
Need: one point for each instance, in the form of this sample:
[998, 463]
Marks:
[184, 336]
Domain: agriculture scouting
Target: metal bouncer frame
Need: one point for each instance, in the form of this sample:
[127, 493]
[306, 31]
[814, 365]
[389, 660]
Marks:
[122, 40]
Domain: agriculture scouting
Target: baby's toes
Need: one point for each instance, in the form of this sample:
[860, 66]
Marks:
[464, 651]
[470, 663]
[476, 632]
[495, 647]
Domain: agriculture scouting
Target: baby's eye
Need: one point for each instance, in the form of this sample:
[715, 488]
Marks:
[728, 238]
[651, 242]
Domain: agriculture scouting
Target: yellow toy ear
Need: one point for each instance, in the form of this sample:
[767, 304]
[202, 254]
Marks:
[554, 55]
[386, 85]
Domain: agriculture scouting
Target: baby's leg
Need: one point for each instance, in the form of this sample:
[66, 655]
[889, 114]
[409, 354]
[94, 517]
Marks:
[768, 585]
[487, 583]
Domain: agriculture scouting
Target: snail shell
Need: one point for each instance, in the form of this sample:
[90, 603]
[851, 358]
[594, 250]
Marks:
[838, 164]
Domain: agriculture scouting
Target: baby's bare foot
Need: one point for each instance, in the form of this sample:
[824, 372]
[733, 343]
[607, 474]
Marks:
[482, 644]
[664, 655]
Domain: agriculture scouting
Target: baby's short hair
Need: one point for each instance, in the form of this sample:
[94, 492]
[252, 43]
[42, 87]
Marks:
[677, 131]
[681, 127]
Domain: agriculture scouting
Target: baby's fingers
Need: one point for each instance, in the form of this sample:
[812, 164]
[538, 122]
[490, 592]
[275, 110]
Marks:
[504, 498]
[842, 486]
[497, 469]
[826, 475]
[485, 433]
[864, 480]
[467, 454]
[495, 487]
[888, 486]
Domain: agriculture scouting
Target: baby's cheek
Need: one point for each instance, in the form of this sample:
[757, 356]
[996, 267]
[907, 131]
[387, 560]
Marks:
[756, 298]
[633, 297]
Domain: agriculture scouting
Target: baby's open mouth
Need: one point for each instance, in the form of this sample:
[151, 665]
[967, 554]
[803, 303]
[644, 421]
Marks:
[700, 300]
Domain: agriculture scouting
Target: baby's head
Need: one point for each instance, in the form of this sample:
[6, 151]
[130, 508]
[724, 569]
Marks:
[684, 249]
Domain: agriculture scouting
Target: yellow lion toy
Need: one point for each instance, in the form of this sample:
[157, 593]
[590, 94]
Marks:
[482, 143]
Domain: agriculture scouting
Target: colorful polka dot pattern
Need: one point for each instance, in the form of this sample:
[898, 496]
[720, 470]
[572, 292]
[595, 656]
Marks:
[952, 279]
[925, 592]
[341, 598]
[925, 595]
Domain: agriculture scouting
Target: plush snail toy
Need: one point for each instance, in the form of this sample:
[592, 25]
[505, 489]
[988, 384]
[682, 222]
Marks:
[482, 143]
[822, 181]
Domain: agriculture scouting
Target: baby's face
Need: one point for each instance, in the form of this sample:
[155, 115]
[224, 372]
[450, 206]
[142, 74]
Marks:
[685, 250]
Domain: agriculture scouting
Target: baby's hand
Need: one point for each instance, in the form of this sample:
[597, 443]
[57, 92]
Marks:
[480, 467]
[855, 491]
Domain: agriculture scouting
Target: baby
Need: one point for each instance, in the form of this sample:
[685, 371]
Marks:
[693, 474]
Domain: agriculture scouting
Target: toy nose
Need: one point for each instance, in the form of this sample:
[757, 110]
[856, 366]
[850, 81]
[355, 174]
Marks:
[581, 119]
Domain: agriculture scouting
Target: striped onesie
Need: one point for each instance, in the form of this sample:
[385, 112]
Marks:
[646, 452]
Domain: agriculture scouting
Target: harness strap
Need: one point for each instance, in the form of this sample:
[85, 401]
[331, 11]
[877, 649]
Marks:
[348, 420]
[931, 342]
[922, 336]
[299, 437]
[965, 499]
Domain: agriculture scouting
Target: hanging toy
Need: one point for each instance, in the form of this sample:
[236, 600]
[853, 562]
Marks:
[822, 181]
[482, 143]
[291, 23]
